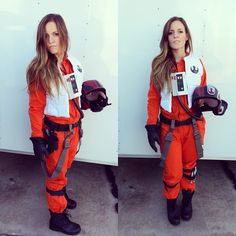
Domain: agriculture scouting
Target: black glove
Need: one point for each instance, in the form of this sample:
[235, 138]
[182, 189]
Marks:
[153, 133]
[51, 140]
[40, 148]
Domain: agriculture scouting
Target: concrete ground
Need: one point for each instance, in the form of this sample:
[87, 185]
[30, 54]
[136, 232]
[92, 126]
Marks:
[23, 209]
[142, 208]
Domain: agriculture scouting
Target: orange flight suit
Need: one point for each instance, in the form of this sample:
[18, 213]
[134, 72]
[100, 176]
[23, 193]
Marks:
[182, 155]
[37, 102]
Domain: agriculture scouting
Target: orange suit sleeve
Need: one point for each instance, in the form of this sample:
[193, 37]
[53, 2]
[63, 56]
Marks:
[153, 103]
[37, 102]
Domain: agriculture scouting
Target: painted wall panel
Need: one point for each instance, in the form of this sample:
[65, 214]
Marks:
[93, 36]
[214, 37]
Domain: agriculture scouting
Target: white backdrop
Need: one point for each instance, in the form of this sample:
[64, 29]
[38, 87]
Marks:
[214, 39]
[93, 36]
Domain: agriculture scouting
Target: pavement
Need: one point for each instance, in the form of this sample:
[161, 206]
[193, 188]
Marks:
[23, 208]
[142, 207]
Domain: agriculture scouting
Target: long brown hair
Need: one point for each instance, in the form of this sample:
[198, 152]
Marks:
[43, 70]
[163, 64]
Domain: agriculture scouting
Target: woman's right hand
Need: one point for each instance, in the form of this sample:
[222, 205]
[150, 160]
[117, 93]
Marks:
[40, 148]
[153, 133]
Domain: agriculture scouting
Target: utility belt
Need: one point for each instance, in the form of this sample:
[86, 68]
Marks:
[167, 121]
[52, 142]
[61, 127]
[169, 135]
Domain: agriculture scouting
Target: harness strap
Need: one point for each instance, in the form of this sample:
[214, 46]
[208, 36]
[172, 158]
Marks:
[61, 160]
[78, 108]
[167, 143]
[197, 138]
[169, 136]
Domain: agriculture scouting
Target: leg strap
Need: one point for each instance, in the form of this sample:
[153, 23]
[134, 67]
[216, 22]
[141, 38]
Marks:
[55, 193]
[192, 173]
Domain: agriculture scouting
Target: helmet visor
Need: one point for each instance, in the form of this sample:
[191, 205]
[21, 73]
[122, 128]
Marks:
[208, 102]
[92, 96]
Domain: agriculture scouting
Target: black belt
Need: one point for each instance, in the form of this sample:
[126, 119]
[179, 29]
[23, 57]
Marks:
[60, 127]
[177, 122]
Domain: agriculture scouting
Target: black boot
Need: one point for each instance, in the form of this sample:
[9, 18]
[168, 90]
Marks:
[172, 212]
[71, 204]
[186, 209]
[60, 222]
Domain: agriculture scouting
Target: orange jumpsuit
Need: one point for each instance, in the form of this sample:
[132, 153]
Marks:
[37, 102]
[182, 156]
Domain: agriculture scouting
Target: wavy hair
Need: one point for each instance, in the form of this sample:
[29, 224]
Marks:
[164, 63]
[43, 70]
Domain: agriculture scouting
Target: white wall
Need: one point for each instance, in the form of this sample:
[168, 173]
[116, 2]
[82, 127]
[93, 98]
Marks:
[92, 25]
[214, 35]
[93, 34]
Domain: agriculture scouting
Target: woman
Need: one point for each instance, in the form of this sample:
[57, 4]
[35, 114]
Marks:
[175, 74]
[54, 83]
